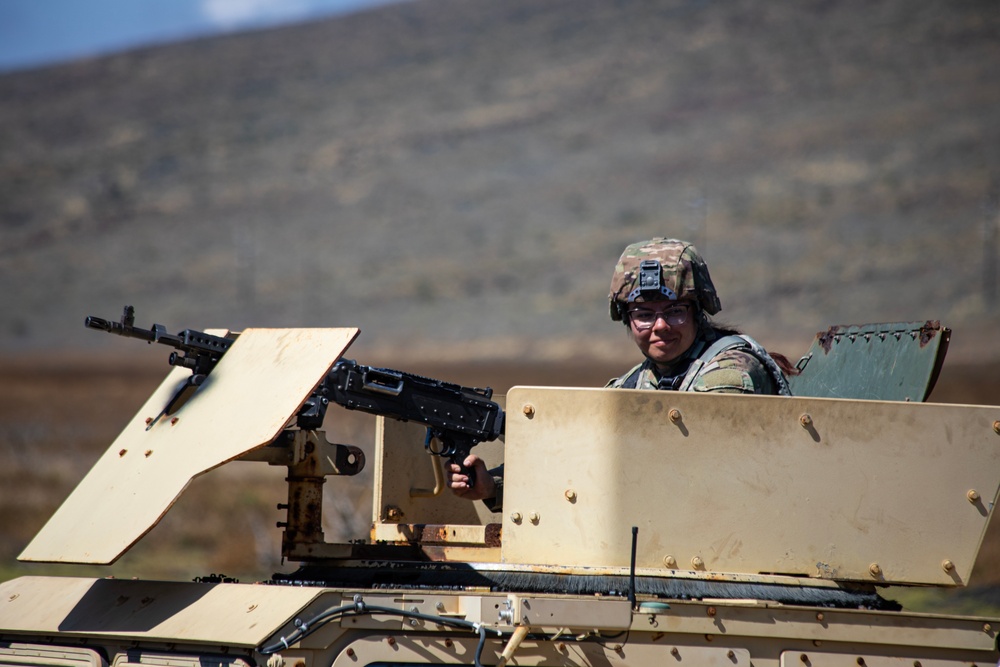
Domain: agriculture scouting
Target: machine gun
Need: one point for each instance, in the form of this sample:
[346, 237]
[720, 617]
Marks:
[456, 417]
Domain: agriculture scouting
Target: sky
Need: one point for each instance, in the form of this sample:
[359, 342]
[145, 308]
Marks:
[34, 33]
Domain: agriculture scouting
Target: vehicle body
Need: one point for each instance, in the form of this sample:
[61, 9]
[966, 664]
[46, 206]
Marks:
[639, 528]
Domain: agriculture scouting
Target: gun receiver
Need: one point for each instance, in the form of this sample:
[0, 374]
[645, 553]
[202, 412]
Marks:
[458, 417]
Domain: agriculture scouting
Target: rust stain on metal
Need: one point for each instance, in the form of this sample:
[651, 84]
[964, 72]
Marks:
[434, 534]
[826, 338]
[929, 331]
[444, 534]
[305, 511]
[493, 534]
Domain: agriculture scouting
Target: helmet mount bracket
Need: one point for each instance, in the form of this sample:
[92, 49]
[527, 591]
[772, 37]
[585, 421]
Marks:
[650, 283]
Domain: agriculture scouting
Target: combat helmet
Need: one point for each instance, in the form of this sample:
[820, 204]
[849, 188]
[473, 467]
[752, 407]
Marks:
[661, 269]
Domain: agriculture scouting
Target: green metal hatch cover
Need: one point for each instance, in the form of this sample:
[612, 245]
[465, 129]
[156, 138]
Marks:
[890, 362]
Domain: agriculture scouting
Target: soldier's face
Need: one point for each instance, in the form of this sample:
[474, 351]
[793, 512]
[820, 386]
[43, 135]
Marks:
[664, 342]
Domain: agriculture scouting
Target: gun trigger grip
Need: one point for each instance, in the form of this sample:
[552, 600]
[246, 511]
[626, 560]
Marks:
[468, 472]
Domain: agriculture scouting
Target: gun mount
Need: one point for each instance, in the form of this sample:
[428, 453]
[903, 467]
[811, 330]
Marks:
[659, 528]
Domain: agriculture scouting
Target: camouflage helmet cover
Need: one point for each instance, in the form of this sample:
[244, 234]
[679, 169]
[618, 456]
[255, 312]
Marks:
[683, 274]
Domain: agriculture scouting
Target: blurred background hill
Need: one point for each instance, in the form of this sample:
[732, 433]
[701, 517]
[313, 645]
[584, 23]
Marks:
[458, 180]
[442, 172]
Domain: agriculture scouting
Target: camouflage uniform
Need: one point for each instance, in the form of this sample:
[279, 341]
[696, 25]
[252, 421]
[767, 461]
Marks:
[731, 372]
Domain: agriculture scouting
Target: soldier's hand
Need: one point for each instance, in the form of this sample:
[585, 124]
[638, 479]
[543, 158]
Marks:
[484, 487]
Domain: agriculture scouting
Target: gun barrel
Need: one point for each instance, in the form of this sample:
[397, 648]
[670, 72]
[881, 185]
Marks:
[97, 323]
[118, 328]
[197, 351]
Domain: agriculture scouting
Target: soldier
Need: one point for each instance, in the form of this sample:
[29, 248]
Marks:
[662, 292]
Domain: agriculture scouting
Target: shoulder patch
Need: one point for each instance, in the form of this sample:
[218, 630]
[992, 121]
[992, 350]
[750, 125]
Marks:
[724, 380]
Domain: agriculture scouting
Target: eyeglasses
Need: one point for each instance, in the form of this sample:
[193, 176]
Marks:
[645, 318]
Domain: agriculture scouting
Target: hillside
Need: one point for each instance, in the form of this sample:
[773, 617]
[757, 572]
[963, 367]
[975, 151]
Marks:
[458, 178]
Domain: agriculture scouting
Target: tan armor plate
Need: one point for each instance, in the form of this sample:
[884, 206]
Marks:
[246, 401]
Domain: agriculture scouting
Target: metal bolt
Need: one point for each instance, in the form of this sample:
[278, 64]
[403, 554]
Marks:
[174, 420]
[697, 563]
[711, 611]
[149, 420]
[350, 652]
[972, 495]
[670, 561]
[149, 452]
[947, 565]
[806, 420]
[391, 641]
[674, 415]
[122, 452]
[820, 617]
[860, 661]
[674, 652]
[570, 495]
[987, 627]
[515, 517]
[533, 517]
[803, 657]
[709, 638]
[528, 410]
[448, 643]
[996, 427]
[875, 569]
[731, 654]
